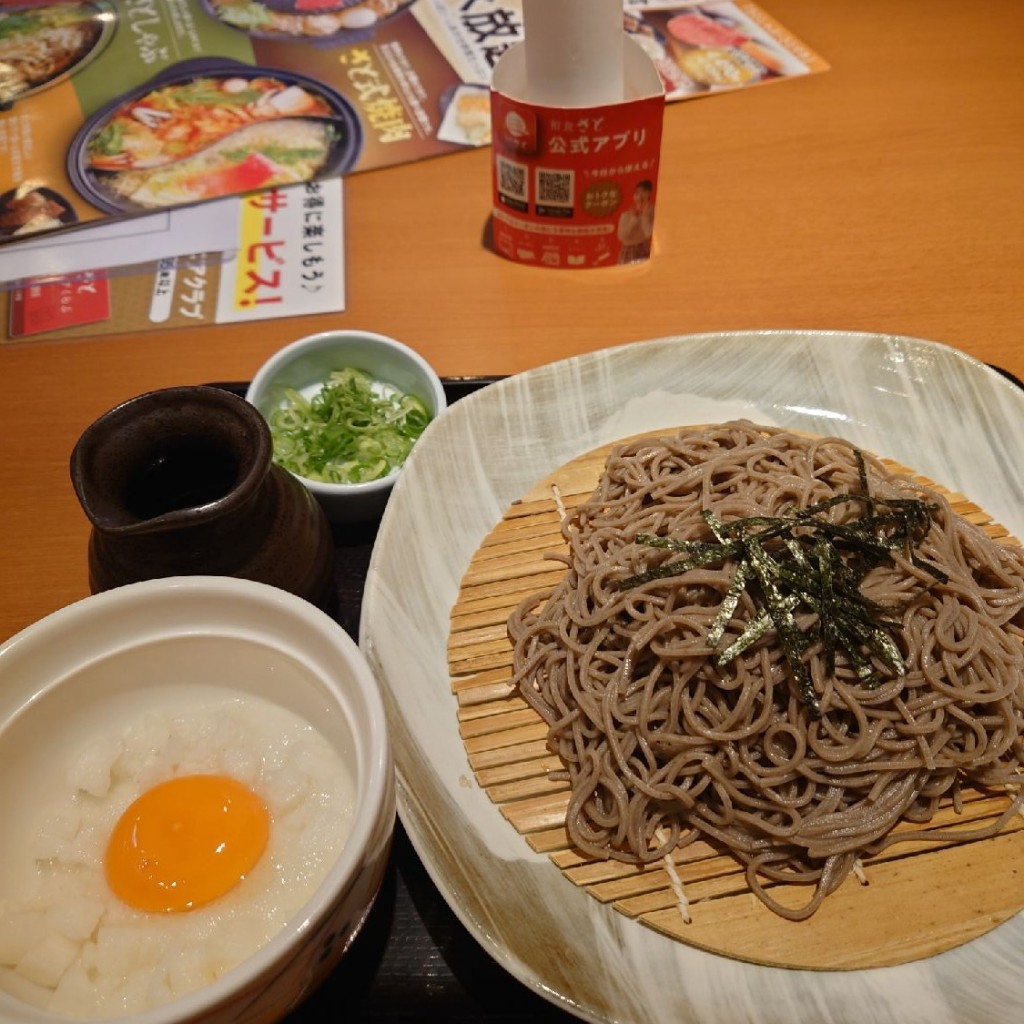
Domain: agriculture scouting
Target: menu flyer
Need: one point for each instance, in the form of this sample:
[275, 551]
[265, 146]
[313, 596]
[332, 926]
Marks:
[287, 259]
[114, 108]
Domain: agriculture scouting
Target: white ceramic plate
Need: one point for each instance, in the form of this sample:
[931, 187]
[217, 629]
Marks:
[921, 403]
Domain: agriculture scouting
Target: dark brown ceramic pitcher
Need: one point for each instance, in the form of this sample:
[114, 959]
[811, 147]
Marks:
[180, 482]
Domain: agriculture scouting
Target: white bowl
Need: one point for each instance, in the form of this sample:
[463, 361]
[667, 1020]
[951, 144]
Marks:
[305, 364]
[132, 646]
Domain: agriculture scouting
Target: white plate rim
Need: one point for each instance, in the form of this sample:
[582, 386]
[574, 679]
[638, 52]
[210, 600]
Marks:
[889, 393]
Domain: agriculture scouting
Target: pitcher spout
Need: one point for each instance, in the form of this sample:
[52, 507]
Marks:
[167, 458]
[180, 481]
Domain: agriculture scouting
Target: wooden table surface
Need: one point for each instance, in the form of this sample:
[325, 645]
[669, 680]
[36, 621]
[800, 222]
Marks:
[886, 194]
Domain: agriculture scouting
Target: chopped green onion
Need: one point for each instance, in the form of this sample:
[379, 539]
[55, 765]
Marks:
[353, 430]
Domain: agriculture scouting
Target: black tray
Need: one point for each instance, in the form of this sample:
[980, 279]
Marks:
[414, 960]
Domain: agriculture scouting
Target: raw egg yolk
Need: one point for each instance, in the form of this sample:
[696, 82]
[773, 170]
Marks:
[186, 842]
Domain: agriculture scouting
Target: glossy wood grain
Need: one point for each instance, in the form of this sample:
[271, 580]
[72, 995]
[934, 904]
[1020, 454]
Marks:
[882, 195]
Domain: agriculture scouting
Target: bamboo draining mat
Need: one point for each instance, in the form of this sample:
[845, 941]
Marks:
[919, 898]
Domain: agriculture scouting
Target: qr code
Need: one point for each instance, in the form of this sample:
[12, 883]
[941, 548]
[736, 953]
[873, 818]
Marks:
[512, 178]
[555, 188]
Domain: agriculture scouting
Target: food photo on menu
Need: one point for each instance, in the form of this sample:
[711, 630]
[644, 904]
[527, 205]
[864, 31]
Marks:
[39, 45]
[321, 20]
[708, 48]
[209, 130]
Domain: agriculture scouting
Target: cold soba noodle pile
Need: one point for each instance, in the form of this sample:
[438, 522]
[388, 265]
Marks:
[773, 643]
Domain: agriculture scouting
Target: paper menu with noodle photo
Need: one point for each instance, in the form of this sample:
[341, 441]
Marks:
[182, 102]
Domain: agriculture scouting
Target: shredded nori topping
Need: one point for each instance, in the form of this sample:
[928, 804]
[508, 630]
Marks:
[802, 561]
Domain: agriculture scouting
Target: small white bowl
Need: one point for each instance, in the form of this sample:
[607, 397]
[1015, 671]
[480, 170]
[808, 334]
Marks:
[304, 366]
[116, 655]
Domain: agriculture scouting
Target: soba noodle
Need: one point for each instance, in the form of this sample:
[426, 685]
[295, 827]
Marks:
[663, 745]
